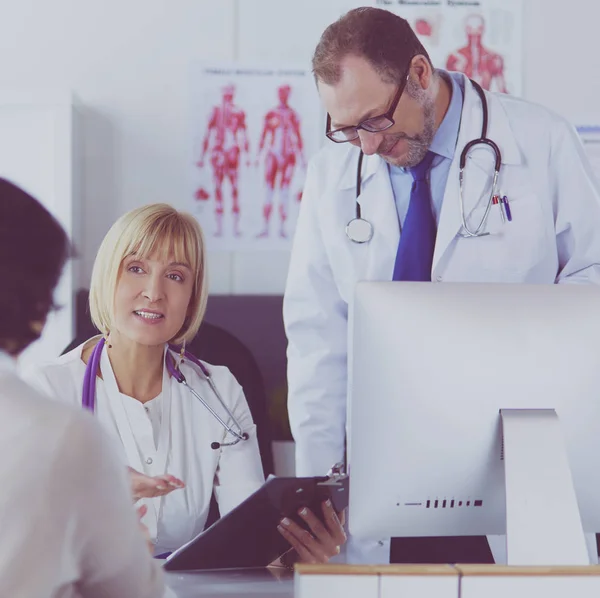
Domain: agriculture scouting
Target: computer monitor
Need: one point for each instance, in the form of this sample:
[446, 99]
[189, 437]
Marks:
[471, 402]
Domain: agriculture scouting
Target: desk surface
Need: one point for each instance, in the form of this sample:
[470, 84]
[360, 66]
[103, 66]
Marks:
[232, 583]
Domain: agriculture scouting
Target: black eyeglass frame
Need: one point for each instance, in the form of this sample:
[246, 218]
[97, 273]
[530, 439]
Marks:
[364, 125]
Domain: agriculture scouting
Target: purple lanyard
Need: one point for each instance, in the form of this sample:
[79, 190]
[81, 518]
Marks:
[88, 399]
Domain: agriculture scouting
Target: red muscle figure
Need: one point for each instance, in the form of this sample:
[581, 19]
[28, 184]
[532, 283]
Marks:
[227, 129]
[476, 61]
[283, 139]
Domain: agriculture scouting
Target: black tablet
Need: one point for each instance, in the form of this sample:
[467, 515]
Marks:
[247, 536]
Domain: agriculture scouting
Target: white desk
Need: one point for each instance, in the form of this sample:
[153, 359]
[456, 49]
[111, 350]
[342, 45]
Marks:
[445, 581]
[232, 583]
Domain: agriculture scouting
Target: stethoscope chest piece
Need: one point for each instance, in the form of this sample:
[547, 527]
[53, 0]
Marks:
[359, 230]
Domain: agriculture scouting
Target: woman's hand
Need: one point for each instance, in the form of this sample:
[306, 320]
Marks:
[322, 542]
[141, 511]
[145, 486]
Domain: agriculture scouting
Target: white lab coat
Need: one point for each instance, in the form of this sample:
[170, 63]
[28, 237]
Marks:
[68, 526]
[553, 237]
[233, 472]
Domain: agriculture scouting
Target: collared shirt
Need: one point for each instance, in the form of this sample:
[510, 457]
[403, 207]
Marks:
[68, 526]
[444, 146]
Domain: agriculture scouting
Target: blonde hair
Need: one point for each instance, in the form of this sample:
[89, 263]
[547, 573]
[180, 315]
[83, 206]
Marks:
[152, 230]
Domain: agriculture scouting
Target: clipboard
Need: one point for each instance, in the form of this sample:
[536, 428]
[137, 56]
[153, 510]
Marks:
[247, 536]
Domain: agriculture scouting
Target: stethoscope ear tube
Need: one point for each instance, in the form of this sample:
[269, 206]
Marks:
[178, 375]
[361, 155]
[359, 230]
[89, 377]
[484, 130]
[485, 141]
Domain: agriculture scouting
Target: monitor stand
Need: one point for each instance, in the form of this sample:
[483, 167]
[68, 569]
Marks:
[543, 524]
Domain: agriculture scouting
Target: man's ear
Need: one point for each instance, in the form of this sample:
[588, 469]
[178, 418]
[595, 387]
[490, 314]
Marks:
[421, 71]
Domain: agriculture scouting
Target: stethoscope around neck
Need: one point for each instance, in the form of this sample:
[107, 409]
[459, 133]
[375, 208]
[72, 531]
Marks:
[88, 398]
[360, 230]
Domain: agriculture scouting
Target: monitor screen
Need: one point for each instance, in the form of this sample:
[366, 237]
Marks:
[430, 368]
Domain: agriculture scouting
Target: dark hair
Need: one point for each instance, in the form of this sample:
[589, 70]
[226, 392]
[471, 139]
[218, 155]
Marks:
[33, 250]
[383, 38]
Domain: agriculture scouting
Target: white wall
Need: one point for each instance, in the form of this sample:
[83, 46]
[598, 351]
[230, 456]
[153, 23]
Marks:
[38, 152]
[562, 57]
[127, 60]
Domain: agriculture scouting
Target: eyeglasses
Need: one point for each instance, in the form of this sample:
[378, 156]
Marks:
[375, 124]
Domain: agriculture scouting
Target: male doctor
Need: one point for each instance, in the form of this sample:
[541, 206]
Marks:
[411, 121]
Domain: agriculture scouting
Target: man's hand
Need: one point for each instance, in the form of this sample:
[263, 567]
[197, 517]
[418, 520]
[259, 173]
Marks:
[145, 486]
[322, 542]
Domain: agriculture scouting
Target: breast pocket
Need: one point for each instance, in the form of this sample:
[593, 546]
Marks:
[513, 250]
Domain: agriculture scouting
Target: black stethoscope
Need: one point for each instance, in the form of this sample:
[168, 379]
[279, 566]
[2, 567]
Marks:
[360, 230]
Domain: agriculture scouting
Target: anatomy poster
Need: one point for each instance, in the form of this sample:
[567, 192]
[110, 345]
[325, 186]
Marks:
[480, 38]
[253, 131]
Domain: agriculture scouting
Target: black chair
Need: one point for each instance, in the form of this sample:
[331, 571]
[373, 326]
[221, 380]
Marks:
[216, 346]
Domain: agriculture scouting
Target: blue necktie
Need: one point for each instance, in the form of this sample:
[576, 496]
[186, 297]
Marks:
[417, 241]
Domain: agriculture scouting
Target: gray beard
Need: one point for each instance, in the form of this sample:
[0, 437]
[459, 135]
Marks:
[418, 145]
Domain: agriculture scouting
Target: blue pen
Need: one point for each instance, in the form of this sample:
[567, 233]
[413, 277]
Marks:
[507, 208]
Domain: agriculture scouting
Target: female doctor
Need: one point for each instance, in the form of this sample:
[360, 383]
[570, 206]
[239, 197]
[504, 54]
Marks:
[148, 291]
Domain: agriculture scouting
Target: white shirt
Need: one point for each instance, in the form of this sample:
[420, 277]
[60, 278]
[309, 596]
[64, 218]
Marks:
[64, 501]
[180, 446]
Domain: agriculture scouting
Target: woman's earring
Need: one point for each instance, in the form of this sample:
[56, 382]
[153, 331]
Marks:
[107, 340]
[182, 353]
